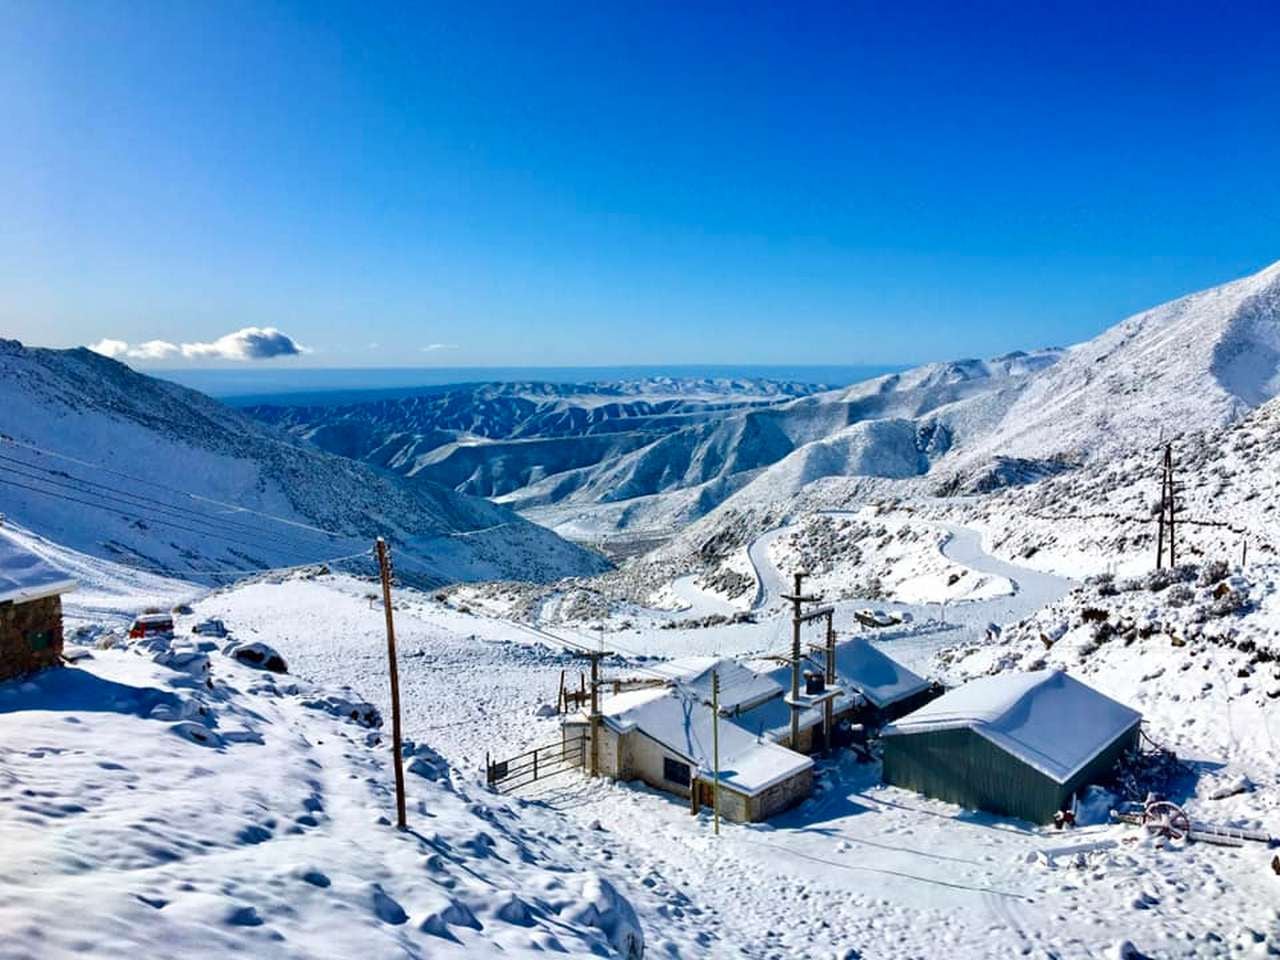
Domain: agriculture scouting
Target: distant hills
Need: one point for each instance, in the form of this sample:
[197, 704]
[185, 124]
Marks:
[117, 464]
[655, 456]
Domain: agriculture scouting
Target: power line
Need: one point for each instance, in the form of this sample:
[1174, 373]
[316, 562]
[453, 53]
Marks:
[110, 509]
[170, 507]
[211, 524]
[152, 483]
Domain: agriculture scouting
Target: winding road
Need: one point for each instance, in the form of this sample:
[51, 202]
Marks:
[1032, 590]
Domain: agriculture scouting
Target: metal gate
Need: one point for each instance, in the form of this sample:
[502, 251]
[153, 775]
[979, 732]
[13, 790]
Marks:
[535, 764]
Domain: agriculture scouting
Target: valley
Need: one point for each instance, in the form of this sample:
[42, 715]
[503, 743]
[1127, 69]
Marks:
[967, 520]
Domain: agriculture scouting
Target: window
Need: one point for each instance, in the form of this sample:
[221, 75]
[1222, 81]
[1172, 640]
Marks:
[39, 639]
[675, 771]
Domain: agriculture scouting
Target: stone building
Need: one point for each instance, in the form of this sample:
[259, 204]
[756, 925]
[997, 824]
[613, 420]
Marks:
[30, 610]
[663, 736]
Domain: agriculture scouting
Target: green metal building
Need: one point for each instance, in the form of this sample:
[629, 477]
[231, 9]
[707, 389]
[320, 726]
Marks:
[1019, 745]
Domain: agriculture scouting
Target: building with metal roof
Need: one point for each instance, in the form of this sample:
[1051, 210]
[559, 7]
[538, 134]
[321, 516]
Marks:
[1015, 744]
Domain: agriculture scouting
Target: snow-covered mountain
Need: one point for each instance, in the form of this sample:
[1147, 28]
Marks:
[652, 459]
[497, 439]
[1190, 366]
[583, 447]
[120, 465]
[1200, 361]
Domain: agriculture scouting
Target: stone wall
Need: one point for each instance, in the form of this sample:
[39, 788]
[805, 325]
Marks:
[781, 796]
[30, 636]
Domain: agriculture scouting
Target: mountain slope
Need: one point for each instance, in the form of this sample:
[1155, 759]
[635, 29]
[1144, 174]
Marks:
[120, 465]
[1200, 361]
[497, 439]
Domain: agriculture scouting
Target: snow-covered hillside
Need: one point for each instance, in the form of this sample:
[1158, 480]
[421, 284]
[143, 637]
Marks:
[1103, 515]
[120, 465]
[161, 799]
[1197, 362]
[571, 456]
[1049, 428]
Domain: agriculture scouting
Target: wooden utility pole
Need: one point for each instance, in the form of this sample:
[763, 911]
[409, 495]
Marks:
[1168, 512]
[715, 746]
[798, 599]
[595, 656]
[828, 708]
[384, 567]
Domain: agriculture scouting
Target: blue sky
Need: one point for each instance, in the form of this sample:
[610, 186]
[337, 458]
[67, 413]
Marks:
[641, 183]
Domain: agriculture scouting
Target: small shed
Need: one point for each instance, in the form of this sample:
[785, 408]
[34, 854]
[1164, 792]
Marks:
[888, 688]
[30, 610]
[1018, 745]
[663, 737]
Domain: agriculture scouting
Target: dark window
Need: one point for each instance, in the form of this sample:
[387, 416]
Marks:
[675, 771]
[40, 639]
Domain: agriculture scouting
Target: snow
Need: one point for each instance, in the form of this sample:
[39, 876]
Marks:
[740, 687]
[163, 798]
[875, 675]
[25, 575]
[683, 724]
[150, 812]
[124, 467]
[911, 876]
[1045, 718]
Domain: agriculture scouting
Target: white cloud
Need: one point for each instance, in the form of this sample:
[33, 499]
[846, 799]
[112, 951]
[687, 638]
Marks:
[154, 350]
[251, 343]
[433, 347]
[109, 348]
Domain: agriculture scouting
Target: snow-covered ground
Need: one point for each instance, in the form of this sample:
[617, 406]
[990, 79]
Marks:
[860, 866]
[162, 799]
[209, 817]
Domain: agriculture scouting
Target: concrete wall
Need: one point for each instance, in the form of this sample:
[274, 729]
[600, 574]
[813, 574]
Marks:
[30, 636]
[642, 759]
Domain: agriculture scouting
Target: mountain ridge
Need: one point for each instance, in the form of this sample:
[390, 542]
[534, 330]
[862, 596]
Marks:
[165, 478]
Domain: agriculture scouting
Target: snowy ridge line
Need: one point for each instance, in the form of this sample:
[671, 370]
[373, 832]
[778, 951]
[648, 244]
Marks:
[6, 438]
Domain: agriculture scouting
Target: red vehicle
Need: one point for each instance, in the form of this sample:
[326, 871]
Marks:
[150, 624]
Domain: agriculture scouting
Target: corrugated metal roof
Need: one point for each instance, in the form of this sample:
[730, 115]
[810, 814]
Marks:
[874, 674]
[1047, 719]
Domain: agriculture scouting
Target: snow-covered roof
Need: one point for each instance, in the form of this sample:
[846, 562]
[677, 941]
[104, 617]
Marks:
[1047, 719]
[875, 675]
[740, 687]
[772, 718]
[26, 576]
[682, 724]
